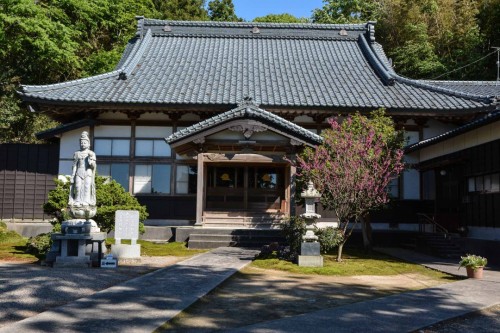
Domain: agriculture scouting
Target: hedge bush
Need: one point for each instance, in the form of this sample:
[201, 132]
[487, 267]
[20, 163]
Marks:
[39, 245]
[328, 238]
[110, 197]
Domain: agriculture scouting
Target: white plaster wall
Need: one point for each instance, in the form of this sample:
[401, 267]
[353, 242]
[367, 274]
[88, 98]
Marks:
[152, 131]
[112, 131]
[484, 233]
[70, 142]
[65, 167]
[411, 137]
[435, 128]
[411, 184]
[470, 139]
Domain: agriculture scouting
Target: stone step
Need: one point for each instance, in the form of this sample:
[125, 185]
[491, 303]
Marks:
[228, 238]
[208, 238]
[440, 245]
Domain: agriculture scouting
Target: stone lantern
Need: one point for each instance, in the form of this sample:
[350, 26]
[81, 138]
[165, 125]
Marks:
[310, 248]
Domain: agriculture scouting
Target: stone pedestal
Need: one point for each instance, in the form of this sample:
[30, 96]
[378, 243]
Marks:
[310, 255]
[75, 250]
[125, 251]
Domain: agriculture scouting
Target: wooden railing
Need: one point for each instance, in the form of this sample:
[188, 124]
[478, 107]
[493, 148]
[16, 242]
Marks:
[425, 220]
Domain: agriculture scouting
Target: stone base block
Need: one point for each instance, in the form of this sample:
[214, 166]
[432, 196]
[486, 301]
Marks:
[311, 261]
[310, 249]
[125, 251]
[81, 261]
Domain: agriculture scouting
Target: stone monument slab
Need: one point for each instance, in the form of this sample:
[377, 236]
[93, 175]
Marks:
[126, 227]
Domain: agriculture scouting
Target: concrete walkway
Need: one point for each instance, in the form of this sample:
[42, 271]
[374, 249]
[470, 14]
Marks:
[404, 312]
[144, 303]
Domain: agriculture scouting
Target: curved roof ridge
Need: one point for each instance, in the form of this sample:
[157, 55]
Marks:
[37, 88]
[424, 85]
[147, 21]
[133, 59]
[375, 62]
[388, 75]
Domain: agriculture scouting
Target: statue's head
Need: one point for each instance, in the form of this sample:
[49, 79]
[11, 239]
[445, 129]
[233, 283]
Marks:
[84, 140]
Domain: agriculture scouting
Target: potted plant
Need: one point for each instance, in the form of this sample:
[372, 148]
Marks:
[474, 265]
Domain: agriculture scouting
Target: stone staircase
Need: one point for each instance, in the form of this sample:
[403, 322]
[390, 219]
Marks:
[439, 244]
[209, 238]
[246, 219]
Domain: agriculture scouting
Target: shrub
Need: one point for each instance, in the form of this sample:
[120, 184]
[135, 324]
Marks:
[110, 197]
[293, 229]
[39, 245]
[329, 238]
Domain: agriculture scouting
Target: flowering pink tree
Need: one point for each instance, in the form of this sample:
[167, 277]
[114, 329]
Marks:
[352, 169]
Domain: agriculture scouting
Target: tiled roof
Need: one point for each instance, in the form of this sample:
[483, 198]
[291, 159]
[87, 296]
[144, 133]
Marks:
[50, 133]
[247, 110]
[481, 88]
[483, 121]
[278, 65]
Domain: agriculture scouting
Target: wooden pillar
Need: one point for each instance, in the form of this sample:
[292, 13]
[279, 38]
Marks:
[292, 180]
[200, 191]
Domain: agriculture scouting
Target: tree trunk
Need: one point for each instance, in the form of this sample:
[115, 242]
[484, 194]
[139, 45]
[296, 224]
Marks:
[366, 229]
[339, 252]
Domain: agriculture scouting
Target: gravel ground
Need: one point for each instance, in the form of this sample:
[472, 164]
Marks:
[28, 289]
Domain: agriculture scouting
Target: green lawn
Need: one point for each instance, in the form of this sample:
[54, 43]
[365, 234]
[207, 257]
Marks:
[16, 251]
[355, 262]
[152, 249]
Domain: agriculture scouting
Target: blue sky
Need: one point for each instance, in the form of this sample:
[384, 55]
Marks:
[249, 9]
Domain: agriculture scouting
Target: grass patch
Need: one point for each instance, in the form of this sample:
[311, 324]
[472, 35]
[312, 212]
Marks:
[13, 246]
[16, 251]
[355, 262]
[152, 249]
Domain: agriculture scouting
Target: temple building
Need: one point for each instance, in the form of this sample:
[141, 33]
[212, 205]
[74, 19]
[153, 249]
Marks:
[200, 120]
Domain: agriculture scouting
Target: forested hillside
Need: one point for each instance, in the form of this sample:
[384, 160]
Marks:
[48, 41]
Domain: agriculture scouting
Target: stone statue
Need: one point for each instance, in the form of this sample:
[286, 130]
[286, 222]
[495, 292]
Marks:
[82, 200]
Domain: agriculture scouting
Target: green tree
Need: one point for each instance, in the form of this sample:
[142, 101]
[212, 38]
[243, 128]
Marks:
[110, 197]
[44, 42]
[222, 10]
[489, 25]
[281, 18]
[417, 56]
[346, 11]
[429, 37]
[182, 10]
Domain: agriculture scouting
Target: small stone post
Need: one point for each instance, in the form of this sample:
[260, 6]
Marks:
[310, 248]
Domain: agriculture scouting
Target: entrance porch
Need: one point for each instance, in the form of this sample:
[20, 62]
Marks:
[252, 195]
[245, 173]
